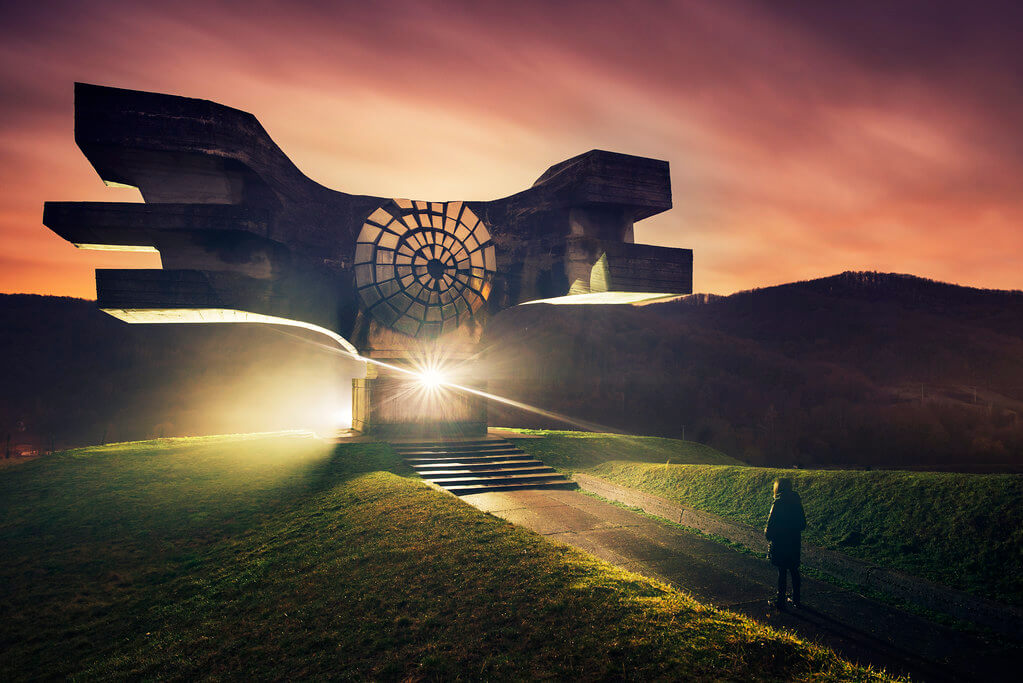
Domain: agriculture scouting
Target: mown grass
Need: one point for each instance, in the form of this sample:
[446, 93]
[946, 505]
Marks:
[961, 530]
[281, 557]
[576, 451]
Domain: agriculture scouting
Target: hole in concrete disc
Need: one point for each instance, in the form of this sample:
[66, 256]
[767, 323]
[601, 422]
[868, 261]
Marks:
[435, 267]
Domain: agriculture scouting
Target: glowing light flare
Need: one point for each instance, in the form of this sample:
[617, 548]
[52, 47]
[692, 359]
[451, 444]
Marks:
[606, 298]
[117, 247]
[342, 418]
[584, 424]
[221, 315]
[431, 378]
[432, 368]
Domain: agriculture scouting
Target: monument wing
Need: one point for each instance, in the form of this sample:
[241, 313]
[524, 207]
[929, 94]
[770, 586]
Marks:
[244, 236]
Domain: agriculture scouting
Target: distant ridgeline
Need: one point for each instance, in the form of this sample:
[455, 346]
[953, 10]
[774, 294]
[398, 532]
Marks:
[858, 368]
[73, 375]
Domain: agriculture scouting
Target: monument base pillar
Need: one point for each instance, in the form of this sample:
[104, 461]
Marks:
[389, 403]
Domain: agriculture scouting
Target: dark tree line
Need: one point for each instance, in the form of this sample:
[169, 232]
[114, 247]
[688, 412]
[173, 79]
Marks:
[860, 368]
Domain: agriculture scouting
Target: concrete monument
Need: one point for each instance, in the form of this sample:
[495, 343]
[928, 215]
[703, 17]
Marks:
[244, 236]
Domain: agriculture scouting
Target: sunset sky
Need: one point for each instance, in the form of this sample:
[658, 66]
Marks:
[804, 139]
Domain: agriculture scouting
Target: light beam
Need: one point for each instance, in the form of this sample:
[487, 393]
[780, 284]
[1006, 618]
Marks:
[430, 377]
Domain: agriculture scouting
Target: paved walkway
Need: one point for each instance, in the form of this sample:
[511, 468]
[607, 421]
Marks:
[860, 629]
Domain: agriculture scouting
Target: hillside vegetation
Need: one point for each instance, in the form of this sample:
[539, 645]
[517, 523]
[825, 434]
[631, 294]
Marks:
[571, 451]
[855, 369]
[961, 530]
[281, 557]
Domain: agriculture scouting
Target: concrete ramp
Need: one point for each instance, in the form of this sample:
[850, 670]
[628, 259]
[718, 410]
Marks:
[479, 466]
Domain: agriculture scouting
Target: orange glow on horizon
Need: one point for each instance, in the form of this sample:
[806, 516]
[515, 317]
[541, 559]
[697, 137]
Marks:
[794, 152]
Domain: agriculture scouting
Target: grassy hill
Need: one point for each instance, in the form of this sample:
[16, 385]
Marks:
[570, 451]
[961, 530]
[283, 557]
[855, 369]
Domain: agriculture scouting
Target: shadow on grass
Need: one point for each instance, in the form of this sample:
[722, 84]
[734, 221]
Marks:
[176, 489]
[289, 559]
[88, 533]
[92, 522]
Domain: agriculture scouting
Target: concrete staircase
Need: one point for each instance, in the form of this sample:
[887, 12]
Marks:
[466, 466]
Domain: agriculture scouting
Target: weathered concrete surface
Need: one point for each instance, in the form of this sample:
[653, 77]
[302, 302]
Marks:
[467, 466]
[1001, 618]
[239, 226]
[245, 236]
[858, 628]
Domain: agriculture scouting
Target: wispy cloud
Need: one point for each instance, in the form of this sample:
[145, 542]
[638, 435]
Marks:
[804, 138]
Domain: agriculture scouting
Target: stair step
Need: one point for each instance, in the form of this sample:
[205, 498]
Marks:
[427, 451]
[485, 459]
[472, 458]
[488, 451]
[496, 478]
[474, 466]
[477, 466]
[513, 468]
[449, 444]
[487, 488]
[535, 471]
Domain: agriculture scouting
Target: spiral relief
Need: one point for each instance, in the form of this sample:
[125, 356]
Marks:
[423, 268]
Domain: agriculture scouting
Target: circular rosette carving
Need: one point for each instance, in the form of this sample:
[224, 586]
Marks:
[423, 268]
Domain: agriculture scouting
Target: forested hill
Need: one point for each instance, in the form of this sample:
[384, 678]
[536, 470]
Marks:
[858, 368]
[893, 328]
[71, 375]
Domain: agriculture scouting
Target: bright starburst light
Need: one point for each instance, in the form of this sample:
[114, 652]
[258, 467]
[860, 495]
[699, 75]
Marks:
[429, 381]
[431, 378]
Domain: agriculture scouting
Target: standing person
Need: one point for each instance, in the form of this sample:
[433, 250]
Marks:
[784, 526]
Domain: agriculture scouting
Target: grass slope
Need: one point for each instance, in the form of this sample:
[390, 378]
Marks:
[572, 451]
[280, 557]
[961, 530]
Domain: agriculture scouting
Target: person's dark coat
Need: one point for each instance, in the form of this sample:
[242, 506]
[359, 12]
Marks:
[784, 525]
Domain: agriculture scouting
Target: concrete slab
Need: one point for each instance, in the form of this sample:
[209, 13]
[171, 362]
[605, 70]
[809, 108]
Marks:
[553, 519]
[512, 500]
[535, 521]
[590, 545]
[710, 583]
[614, 515]
[628, 544]
[711, 552]
[577, 520]
[495, 501]
[573, 498]
[537, 498]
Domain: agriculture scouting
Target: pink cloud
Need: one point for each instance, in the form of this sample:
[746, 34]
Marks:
[795, 151]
